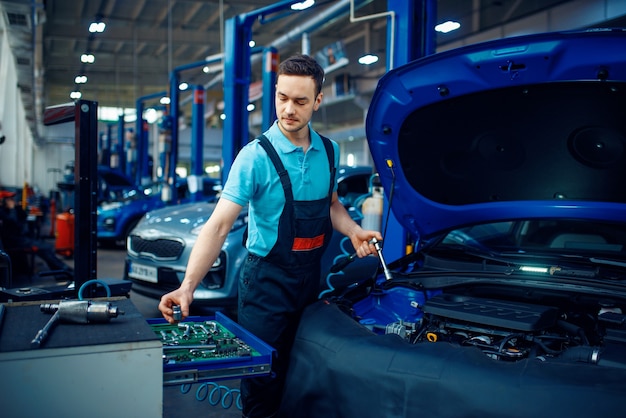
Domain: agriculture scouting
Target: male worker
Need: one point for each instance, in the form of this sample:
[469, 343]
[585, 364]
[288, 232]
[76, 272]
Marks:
[291, 217]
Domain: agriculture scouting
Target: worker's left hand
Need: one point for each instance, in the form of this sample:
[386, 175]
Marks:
[361, 241]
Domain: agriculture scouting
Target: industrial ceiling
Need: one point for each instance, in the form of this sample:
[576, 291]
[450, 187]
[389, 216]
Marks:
[145, 39]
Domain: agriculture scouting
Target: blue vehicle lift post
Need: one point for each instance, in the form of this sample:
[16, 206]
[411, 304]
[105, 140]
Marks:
[174, 114]
[237, 74]
[142, 172]
[414, 37]
[130, 150]
[270, 71]
[108, 147]
[120, 149]
[197, 142]
[105, 147]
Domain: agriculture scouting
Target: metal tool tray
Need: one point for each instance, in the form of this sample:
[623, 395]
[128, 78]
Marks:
[223, 350]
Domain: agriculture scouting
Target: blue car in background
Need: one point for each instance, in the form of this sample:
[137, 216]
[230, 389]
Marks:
[121, 204]
[508, 176]
[120, 210]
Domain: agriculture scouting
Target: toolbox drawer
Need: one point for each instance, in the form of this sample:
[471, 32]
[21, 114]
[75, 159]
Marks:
[210, 348]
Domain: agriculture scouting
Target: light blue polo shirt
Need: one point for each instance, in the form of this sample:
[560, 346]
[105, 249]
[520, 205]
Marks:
[253, 180]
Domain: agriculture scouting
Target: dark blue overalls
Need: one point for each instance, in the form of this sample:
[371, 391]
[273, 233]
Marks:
[275, 289]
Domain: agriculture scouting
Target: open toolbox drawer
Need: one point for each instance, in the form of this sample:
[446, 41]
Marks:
[210, 348]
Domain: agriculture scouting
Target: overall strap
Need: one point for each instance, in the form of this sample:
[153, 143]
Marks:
[280, 168]
[330, 153]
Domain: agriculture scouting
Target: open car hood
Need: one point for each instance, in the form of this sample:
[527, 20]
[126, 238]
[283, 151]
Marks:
[527, 127]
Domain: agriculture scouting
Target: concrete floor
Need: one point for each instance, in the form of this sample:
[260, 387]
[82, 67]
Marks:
[176, 403]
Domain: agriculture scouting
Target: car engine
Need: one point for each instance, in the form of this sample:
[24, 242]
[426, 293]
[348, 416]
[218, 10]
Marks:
[570, 330]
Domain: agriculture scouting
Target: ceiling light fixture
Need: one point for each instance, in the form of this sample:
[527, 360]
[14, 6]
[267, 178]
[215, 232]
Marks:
[151, 115]
[368, 59]
[87, 58]
[164, 100]
[97, 27]
[302, 5]
[183, 86]
[210, 69]
[75, 95]
[447, 26]
[80, 79]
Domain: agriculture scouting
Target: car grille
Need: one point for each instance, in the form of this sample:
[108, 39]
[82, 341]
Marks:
[160, 249]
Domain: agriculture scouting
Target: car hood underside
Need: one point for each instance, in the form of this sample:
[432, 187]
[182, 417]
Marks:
[524, 127]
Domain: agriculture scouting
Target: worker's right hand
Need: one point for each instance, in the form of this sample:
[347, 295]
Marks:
[177, 297]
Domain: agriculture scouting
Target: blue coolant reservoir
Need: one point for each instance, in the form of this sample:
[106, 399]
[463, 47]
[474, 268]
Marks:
[398, 303]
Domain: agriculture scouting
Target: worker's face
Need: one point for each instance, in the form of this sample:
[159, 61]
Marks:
[295, 101]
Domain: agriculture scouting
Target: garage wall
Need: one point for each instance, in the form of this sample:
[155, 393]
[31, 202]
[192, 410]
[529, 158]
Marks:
[17, 150]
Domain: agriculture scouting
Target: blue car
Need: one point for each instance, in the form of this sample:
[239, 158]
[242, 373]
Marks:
[121, 204]
[120, 210]
[508, 177]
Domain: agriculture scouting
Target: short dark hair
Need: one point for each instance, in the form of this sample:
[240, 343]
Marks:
[303, 65]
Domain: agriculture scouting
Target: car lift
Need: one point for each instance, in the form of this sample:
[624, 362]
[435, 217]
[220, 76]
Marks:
[84, 114]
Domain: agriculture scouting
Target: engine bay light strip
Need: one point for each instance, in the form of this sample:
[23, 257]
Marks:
[534, 269]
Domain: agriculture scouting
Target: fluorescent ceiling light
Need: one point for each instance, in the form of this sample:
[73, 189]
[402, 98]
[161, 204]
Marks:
[97, 27]
[302, 5]
[151, 115]
[209, 69]
[448, 26]
[368, 59]
[87, 58]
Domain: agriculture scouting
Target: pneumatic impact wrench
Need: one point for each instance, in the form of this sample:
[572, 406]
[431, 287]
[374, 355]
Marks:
[74, 311]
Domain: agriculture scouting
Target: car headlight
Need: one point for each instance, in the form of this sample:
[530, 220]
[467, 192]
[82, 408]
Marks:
[109, 223]
[111, 205]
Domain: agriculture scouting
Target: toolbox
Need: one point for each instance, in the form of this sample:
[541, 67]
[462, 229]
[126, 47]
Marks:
[210, 348]
[80, 367]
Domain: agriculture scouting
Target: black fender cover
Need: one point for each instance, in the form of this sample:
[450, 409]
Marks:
[338, 368]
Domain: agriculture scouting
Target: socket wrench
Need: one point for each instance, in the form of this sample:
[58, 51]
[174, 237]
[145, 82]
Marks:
[379, 251]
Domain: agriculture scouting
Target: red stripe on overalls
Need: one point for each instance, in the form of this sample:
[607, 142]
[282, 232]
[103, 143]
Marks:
[308, 244]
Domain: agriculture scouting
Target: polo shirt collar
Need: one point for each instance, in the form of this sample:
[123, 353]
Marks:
[282, 144]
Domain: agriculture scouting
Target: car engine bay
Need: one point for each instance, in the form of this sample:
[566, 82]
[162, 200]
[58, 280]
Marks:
[560, 328]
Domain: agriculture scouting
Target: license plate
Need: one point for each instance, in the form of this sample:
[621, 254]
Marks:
[141, 272]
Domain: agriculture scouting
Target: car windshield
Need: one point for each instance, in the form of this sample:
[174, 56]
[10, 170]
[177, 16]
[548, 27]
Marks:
[549, 237]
